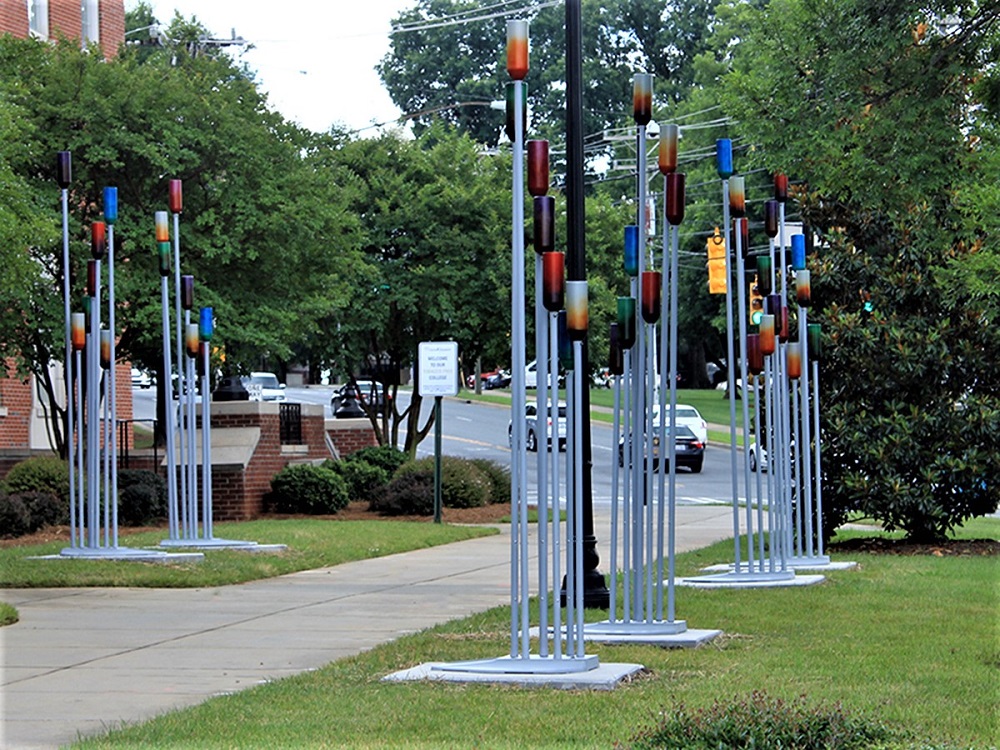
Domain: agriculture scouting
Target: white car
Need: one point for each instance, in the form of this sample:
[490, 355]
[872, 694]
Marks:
[532, 428]
[141, 378]
[689, 417]
[758, 456]
[264, 386]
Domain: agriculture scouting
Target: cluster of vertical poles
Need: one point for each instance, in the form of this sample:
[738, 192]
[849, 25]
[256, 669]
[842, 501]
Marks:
[786, 432]
[90, 376]
[191, 342]
[644, 367]
[557, 331]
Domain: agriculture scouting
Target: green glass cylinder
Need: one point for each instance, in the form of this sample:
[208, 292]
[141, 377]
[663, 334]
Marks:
[815, 340]
[163, 250]
[626, 321]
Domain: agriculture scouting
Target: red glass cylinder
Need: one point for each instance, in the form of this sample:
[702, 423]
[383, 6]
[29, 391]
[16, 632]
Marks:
[667, 155]
[544, 224]
[98, 239]
[553, 281]
[642, 98]
[766, 333]
[675, 198]
[517, 49]
[538, 167]
[755, 358]
[781, 188]
[771, 218]
[741, 230]
[794, 360]
[782, 323]
[176, 199]
[93, 277]
[651, 284]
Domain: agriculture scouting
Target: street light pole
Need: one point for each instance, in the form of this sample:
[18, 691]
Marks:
[595, 590]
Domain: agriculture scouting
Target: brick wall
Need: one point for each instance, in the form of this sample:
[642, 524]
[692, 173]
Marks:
[65, 20]
[15, 407]
[349, 435]
[112, 24]
[14, 18]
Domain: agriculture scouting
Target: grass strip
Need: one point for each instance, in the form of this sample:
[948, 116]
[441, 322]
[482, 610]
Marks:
[312, 543]
[911, 641]
[8, 614]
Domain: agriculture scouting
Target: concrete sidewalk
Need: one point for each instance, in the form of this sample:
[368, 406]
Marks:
[80, 661]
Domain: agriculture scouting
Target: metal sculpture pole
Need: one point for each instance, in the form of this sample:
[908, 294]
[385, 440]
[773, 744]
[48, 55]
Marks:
[206, 329]
[110, 217]
[98, 242]
[187, 400]
[177, 409]
[64, 176]
[781, 462]
[79, 343]
[163, 249]
[814, 335]
[616, 368]
[553, 298]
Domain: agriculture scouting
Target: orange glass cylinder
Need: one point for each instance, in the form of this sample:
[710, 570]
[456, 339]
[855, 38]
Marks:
[98, 239]
[781, 188]
[652, 282]
[803, 288]
[783, 324]
[538, 167]
[766, 333]
[106, 349]
[78, 331]
[668, 149]
[794, 360]
[191, 340]
[737, 197]
[176, 197]
[162, 228]
[517, 49]
[553, 281]
[642, 98]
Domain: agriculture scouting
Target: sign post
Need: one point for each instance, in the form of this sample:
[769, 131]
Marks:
[437, 373]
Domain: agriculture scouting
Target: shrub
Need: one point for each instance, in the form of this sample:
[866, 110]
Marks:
[305, 488]
[499, 477]
[409, 494]
[463, 484]
[762, 723]
[363, 480]
[142, 497]
[15, 519]
[44, 509]
[385, 456]
[40, 474]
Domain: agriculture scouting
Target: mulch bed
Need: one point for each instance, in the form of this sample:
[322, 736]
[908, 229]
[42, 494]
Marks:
[948, 548]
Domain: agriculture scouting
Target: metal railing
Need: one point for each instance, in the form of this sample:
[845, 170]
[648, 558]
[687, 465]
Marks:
[290, 424]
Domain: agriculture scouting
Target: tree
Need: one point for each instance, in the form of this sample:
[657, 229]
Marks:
[872, 107]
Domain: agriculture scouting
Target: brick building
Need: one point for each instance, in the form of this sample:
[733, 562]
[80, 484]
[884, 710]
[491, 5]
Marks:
[91, 21]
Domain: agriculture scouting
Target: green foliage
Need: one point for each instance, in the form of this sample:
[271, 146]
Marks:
[44, 508]
[499, 477]
[409, 494]
[362, 479]
[142, 497]
[464, 484]
[8, 614]
[383, 456]
[15, 519]
[760, 722]
[304, 488]
[40, 473]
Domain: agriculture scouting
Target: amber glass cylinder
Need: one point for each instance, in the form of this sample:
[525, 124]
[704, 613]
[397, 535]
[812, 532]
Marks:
[794, 360]
[105, 349]
[98, 239]
[176, 197]
[803, 290]
[651, 285]
[78, 330]
[517, 49]
[162, 226]
[191, 340]
[553, 281]
[741, 229]
[667, 155]
[781, 187]
[576, 310]
[737, 196]
[766, 333]
[642, 98]
[538, 167]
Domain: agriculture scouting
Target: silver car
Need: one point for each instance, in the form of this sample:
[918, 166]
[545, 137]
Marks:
[533, 430]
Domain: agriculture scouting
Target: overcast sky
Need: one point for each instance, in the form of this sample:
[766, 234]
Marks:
[316, 61]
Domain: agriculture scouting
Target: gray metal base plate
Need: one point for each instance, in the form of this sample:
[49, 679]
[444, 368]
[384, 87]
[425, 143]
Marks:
[606, 676]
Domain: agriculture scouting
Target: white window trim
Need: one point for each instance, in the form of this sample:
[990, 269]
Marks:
[38, 11]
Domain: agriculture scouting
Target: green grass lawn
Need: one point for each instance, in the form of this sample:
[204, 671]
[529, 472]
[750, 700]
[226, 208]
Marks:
[311, 544]
[911, 641]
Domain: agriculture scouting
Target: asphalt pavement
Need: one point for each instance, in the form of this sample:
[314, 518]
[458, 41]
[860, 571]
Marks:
[83, 660]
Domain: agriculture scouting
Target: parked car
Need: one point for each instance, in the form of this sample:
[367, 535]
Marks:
[498, 379]
[141, 378]
[758, 456]
[531, 375]
[366, 393]
[688, 449]
[690, 417]
[532, 428]
[264, 386]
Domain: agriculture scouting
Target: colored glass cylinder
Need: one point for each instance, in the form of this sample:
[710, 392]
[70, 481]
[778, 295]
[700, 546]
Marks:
[565, 345]
[538, 167]
[771, 218]
[64, 169]
[553, 281]
[798, 252]
[576, 310]
[163, 251]
[724, 157]
[187, 291]
[78, 330]
[632, 250]
[206, 324]
[651, 284]
[93, 277]
[162, 229]
[772, 304]
[667, 156]
[675, 198]
[110, 205]
[781, 188]
[642, 98]
[803, 292]
[766, 333]
[200, 362]
[85, 301]
[764, 275]
[737, 196]
[98, 240]
[544, 225]
[509, 126]
[755, 358]
[794, 360]
[815, 341]
[782, 325]
[517, 49]
[175, 201]
[616, 356]
[105, 348]
[191, 340]
[626, 321]
[741, 233]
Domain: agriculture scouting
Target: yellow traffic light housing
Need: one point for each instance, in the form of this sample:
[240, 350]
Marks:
[717, 263]
[756, 303]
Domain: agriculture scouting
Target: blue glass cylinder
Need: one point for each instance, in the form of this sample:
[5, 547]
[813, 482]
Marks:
[206, 323]
[632, 250]
[798, 252]
[724, 157]
[110, 205]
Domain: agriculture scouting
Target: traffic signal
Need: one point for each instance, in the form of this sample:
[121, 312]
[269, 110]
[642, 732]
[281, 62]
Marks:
[716, 263]
[756, 303]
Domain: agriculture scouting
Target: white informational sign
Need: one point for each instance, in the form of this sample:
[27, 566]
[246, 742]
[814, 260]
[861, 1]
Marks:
[437, 363]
